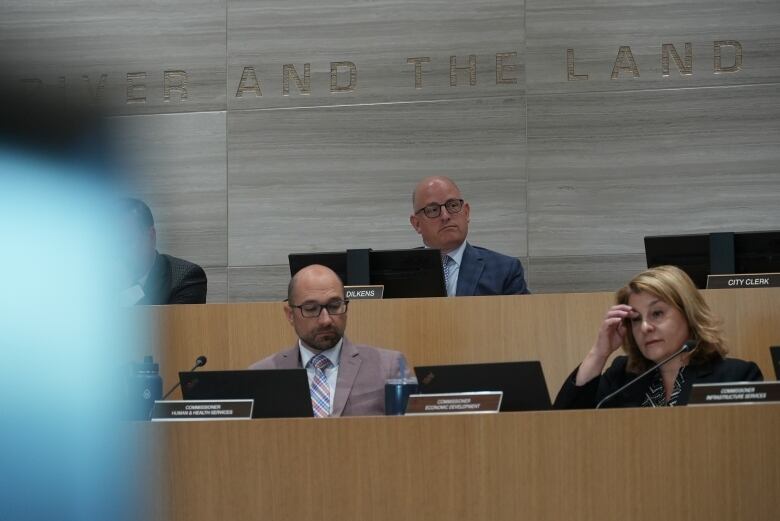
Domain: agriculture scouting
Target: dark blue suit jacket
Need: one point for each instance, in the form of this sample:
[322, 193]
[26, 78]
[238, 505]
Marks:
[486, 272]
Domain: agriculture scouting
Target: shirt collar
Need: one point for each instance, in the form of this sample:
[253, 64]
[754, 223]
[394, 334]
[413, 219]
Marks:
[457, 253]
[308, 353]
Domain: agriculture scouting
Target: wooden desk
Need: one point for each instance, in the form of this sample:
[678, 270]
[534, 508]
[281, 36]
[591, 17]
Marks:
[556, 329]
[695, 463]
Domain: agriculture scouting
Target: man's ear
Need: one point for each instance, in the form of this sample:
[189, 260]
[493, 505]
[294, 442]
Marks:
[415, 222]
[288, 313]
[153, 237]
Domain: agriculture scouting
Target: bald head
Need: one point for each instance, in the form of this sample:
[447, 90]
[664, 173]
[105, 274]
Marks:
[431, 184]
[447, 226]
[316, 287]
[314, 277]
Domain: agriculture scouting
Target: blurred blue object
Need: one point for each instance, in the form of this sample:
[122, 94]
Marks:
[63, 452]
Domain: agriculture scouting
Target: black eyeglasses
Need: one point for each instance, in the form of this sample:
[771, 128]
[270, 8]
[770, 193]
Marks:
[314, 310]
[432, 211]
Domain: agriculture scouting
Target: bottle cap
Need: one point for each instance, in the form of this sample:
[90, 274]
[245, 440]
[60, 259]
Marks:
[147, 366]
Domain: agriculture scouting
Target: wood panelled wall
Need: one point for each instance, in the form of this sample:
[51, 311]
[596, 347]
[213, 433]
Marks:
[557, 329]
[259, 128]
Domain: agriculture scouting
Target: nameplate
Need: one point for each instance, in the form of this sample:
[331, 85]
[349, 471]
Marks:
[364, 292]
[201, 410]
[735, 392]
[753, 280]
[454, 403]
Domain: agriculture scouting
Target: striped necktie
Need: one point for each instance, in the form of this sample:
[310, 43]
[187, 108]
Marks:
[320, 390]
[446, 265]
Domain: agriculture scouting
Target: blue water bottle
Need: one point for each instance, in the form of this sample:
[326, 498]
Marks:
[397, 391]
[144, 387]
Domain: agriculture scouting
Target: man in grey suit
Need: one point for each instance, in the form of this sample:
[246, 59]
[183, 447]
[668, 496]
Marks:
[441, 217]
[345, 379]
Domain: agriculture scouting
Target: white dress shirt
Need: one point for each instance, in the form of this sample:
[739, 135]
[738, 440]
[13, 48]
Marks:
[129, 297]
[457, 256]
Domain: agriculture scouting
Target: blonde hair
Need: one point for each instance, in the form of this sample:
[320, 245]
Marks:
[675, 287]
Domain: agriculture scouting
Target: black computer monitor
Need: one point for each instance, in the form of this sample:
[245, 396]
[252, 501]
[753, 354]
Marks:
[403, 273]
[522, 383]
[277, 393]
[728, 253]
[775, 352]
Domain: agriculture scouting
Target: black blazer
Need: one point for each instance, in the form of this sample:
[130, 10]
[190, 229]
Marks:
[588, 396]
[174, 281]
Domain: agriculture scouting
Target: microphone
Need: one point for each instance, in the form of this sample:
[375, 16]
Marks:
[687, 347]
[199, 362]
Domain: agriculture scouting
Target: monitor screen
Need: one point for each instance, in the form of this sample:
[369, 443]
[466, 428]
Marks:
[404, 273]
[700, 255]
[522, 383]
[277, 393]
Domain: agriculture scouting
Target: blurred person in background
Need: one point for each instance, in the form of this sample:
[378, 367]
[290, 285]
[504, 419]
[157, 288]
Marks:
[153, 277]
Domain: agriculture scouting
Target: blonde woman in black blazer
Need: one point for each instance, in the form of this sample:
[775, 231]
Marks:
[654, 315]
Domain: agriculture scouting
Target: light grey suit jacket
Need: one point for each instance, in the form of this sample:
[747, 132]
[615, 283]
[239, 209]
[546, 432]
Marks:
[360, 387]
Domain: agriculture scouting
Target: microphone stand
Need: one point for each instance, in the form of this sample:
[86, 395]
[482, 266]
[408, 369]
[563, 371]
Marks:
[199, 362]
[688, 346]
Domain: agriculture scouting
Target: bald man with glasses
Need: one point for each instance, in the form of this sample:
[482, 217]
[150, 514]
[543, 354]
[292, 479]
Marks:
[345, 379]
[441, 217]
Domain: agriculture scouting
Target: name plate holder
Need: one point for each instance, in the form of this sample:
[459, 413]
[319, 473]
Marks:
[482, 402]
[201, 410]
[366, 292]
[751, 280]
[735, 392]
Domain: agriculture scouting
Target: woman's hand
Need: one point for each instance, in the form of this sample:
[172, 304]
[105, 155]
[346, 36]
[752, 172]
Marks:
[609, 339]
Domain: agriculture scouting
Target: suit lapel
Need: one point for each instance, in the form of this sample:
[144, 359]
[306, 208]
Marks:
[695, 375]
[636, 394]
[290, 359]
[471, 267]
[349, 365]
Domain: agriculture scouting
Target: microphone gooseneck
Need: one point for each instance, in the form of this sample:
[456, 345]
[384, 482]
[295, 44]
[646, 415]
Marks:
[199, 362]
[687, 347]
